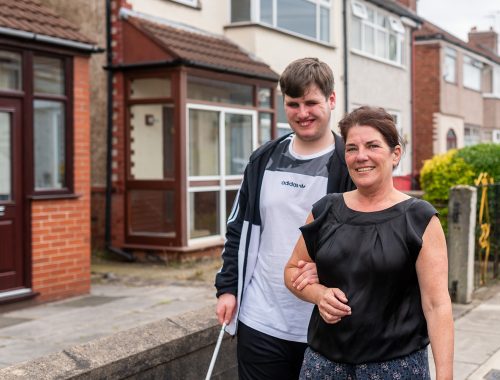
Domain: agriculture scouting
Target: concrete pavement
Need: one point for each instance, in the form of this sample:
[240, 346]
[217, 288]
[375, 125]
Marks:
[39, 330]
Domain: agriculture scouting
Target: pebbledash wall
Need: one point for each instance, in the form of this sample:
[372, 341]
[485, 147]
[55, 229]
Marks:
[61, 227]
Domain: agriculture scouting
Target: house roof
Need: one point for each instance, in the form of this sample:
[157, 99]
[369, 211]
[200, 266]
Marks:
[29, 19]
[429, 31]
[194, 47]
[392, 6]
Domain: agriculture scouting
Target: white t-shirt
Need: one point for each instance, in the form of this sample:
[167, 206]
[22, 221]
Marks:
[291, 185]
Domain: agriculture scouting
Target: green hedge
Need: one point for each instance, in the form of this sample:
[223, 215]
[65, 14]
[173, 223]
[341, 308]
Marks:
[457, 167]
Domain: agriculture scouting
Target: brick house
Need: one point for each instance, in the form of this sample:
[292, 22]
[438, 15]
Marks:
[457, 91]
[171, 197]
[379, 67]
[44, 154]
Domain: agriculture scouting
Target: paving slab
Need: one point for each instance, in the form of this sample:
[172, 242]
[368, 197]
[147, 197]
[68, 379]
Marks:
[28, 333]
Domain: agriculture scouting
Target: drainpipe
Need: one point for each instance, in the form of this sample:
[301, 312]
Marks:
[346, 57]
[109, 141]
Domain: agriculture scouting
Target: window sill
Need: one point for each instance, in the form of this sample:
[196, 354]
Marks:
[246, 24]
[188, 4]
[378, 59]
[48, 197]
[472, 89]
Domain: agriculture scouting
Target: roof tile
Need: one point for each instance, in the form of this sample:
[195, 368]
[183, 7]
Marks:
[431, 31]
[32, 16]
[199, 47]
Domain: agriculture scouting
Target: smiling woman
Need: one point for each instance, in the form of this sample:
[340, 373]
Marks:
[381, 261]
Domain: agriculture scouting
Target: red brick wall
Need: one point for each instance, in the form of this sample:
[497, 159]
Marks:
[427, 86]
[61, 228]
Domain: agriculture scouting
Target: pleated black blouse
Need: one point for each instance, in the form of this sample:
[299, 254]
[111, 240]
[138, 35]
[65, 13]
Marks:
[371, 257]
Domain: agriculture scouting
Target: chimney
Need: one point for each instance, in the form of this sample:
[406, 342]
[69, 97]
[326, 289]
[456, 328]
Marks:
[412, 4]
[485, 39]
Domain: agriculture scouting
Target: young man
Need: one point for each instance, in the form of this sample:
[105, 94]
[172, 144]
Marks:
[281, 182]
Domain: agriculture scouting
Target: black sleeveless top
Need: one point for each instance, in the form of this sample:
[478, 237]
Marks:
[371, 257]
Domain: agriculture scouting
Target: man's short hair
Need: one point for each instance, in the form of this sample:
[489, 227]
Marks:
[304, 72]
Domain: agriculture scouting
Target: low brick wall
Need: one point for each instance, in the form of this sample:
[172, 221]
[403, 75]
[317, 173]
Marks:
[174, 348]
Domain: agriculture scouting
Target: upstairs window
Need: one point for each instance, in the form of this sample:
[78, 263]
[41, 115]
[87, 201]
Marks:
[309, 18]
[450, 65]
[472, 73]
[496, 81]
[376, 33]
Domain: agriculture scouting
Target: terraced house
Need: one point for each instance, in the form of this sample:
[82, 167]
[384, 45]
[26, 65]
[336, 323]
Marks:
[457, 96]
[192, 88]
[44, 154]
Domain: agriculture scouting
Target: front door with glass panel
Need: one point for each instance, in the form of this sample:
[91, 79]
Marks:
[220, 143]
[11, 200]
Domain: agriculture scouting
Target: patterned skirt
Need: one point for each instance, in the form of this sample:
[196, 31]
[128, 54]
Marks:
[414, 366]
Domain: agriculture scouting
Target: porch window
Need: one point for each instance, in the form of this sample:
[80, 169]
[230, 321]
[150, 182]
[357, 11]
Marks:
[52, 146]
[216, 91]
[220, 142]
[152, 192]
[10, 71]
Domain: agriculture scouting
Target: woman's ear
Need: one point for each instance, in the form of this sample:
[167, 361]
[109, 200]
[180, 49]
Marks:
[396, 156]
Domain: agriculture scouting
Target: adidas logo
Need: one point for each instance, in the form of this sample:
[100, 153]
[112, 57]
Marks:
[293, 184]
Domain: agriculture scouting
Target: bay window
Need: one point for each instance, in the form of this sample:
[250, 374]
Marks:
[375, 33]
[309, 18]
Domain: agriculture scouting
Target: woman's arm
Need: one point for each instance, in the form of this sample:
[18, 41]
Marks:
[432, 271]
[332, 302]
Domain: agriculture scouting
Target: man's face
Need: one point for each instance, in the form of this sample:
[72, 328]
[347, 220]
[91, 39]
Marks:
[309, 115]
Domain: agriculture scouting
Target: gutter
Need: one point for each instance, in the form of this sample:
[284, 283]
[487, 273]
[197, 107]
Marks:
[346, 58]
[89, 48]
[109, 143]
[188, 63]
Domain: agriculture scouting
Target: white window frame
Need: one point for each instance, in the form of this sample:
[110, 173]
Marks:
[474, 64]
[475, 137]
[395, 27]
[450, 53]
[255, 12]
[190, 3]
[359, 10]
[495, 136]
[398, 171]
[222, 177]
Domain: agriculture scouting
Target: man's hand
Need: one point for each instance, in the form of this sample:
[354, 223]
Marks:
[333, 305]
[306, 274]
[226, 306]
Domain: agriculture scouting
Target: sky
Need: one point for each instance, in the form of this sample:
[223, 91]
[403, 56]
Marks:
[458, 16]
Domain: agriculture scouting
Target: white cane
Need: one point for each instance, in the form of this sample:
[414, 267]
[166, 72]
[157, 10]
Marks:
[216, 352]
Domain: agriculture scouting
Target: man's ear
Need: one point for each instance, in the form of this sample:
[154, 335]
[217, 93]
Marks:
[332, 99]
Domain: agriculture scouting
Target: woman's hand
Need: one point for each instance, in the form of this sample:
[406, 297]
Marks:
[306, 274]
[333, 306]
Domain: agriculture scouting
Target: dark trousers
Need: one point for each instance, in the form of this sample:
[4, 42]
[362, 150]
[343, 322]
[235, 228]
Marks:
[263, 357]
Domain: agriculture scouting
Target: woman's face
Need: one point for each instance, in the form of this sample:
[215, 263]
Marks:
[369, 158]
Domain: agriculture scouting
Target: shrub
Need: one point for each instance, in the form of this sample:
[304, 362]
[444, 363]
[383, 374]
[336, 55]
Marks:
[441, 173]
[483, 158]
[457, 167]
